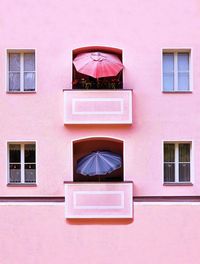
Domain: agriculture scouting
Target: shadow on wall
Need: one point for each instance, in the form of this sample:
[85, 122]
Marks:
[99, 221]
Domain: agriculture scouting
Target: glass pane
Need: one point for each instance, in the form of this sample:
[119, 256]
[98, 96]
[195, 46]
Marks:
[168, 62]
[14, 62]
[183, 62]
[14, 81]
[184, 152]
[30, 153]
[168, 82]
[169, 172]
[184, 172]
[29, 61]
[15, 173]
[14, 153]
[169, 152]
[183, 81]
[29, 81]
[30, 173]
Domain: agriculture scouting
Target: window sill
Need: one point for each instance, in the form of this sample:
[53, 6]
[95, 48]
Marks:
[21, 184]
[177, 184]
[20, 92]
[177, 92]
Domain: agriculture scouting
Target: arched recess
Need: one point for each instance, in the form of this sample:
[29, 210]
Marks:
[82, 147]
[82, 81]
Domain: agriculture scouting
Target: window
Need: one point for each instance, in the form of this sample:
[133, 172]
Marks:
[177, 162]
[21, 71]
[176, 71]
[22, 163]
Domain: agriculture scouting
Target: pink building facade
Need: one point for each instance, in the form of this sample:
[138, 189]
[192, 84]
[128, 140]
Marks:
[148, 210]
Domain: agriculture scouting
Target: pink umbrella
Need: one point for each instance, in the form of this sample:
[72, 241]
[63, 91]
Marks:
[98, 64]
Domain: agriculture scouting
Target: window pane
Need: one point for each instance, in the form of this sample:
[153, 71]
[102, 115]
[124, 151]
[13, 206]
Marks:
[29, 81]
[184, 152]
[29, 61]
[30, 153]
[14, 62]
[14, 81]
[30, 173]
[14, 153]
[168, 81]
[168, 62]
[169, 172]
[184, 172]
[183, 81]
[169, 152]
[183, 62]
[15, 173]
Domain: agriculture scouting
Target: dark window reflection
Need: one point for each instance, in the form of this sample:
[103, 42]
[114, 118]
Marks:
[169, 172]
[30, 153]
[14, 153]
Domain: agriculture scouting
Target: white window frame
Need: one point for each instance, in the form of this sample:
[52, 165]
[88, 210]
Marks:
[175, 52]
[21, 52]
[22, 163]
[176, 143]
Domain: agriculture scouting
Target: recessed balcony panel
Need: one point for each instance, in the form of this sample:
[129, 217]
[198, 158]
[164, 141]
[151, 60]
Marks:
[99, 200]
[98, 107]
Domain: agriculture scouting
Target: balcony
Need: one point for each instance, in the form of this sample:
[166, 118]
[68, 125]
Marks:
[97, 107]
[98, 200]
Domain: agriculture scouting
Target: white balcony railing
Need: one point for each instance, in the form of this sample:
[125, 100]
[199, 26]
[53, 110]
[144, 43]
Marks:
[98, 200]
[97, 107]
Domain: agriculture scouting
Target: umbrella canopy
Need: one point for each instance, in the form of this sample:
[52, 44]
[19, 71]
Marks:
[98, 64]
[99, 163]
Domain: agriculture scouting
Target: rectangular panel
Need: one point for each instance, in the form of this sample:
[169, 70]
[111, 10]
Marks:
[99, 200]
[14, 173]
[98, 107]
[168, 62]
[29, 61]
[14, 62]
[169, 172]
[184, 172]
[29, 81]
[14, 81]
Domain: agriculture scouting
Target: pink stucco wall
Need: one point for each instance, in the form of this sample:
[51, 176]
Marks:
[54, 29]
[159, 233]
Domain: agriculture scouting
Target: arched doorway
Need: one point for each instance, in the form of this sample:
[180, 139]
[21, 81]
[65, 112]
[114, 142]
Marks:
[82, 81]
[85, 146]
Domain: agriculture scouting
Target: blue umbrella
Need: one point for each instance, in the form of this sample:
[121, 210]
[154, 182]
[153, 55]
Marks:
[99, 163]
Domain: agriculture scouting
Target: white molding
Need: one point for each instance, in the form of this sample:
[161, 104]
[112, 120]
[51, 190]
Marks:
[93, 183]
[31, 203]
[137, 204]
[167, 203]
[99, 216]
